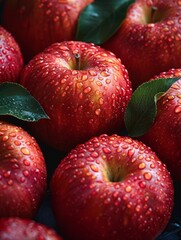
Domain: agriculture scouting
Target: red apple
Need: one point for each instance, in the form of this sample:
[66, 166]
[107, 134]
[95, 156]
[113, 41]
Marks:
[37, 24]
[149, 39]
[164, 136]
[22, 172]
[111, 188]
[83, 88]
[11, 61]
[21, 229]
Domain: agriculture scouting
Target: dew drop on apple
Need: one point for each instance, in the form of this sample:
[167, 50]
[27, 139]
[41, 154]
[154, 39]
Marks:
[48, 12]
[15, 166]
[87, 90]
[7, 174]
[106, 150]
[142, 184]
[56, 19]
[9, 57]
[26, 162]
[107, 201]
[37, 170]
[178, 109]
[94, 154]
[142, 165]
[138, 208]
[148, 176]
[152, 165]
[25, 173]
[94, 168]
[4, 186]
[179, 2]
[128, 189]
[10, 182]
[98, 111]
[17, 143]
[25, 151]
[35, 179]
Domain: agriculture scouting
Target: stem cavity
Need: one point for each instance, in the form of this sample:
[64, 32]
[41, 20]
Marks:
[77, 59]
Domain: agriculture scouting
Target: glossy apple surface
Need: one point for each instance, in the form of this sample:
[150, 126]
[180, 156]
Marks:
[83, 88]
[18, 228]
[22, 172]
[149, 39]
[111, 188]
[164, 136]
[36, 24]
[11, 60]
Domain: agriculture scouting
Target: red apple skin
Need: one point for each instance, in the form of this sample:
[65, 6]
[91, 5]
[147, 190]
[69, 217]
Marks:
[11, 60]
[16, 228]
[148, 43]
[111, 188]
[37, 24]
[81, 103]
[22, 173]
[164, 136]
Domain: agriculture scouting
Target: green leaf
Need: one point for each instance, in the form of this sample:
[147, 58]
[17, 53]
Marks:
[142, 108]
[100, 20]
[16, 101]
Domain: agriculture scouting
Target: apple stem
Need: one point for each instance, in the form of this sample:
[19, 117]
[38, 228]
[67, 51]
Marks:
[153, 10]
[77, 59]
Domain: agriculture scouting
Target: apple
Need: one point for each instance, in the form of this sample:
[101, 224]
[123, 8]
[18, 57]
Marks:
[149, 39]
[83, 88]
[11, 60]
[111, 188]
[22, 172]
[164, 136]
[37, 24]
[16, 228]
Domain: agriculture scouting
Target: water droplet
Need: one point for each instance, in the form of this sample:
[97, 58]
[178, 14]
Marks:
[178, 109]
[9, 57]
[25, 151]
[7, 174]
[148, 176]
[152, 165]
[25, 173]
[22, 179]
[107, 201]
[98, 111]
[171, 97]
[94, 154]
[48, 12]
[128, 189]
[106, 150]
[179, 2]
[138, 208]
[26, 162]
[142, 184]
[87, 89]
[10, 182]
[94, 168]
[12, 134]
[56, 19]
[92, 73]
[5, 138]
[84, 77]
[142, 165]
